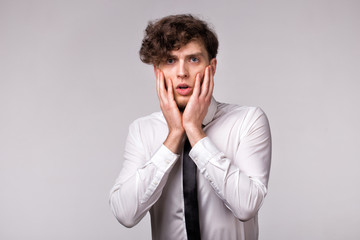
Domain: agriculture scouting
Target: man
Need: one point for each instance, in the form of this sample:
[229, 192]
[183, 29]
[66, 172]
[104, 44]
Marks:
[230, 145]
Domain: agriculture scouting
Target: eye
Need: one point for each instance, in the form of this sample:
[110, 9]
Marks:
[194, 59]
[170, 61]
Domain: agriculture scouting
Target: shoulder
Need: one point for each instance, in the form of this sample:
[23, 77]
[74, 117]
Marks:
[155, 116]
[148, 132]
[149, 128]
[239, 112]
[151, 120]
[244, 118]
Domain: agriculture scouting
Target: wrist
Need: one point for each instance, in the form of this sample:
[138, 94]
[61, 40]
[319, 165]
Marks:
[173, 140]
[191, 127]
[176, 133]
[194, 135]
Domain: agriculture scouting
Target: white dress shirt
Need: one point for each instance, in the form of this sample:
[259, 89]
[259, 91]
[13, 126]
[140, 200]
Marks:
[233, 169]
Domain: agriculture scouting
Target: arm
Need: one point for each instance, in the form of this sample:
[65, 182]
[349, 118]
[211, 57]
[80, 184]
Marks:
[141, 182]
[241, 186]
[241, 182]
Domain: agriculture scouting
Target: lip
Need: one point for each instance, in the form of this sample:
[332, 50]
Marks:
[183, 89]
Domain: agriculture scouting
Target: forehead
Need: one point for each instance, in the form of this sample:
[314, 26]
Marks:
[191, 48]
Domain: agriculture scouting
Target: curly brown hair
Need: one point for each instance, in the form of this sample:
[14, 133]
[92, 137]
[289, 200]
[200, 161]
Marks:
[173, 32]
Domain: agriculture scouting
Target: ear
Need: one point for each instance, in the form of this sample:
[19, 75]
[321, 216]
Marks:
[213, 64]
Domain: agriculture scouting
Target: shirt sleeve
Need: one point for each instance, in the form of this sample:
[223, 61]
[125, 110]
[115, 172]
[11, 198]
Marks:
[240, 182]
[140, 182]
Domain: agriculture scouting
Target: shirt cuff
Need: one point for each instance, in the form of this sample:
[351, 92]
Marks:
[202, 152]
[164, 158]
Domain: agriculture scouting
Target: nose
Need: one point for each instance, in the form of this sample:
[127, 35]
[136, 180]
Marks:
[182, 71]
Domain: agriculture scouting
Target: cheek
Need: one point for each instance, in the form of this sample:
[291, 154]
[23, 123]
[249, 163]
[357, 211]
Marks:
[168, 75]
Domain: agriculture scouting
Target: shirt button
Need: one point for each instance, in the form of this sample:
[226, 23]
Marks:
[156, 183]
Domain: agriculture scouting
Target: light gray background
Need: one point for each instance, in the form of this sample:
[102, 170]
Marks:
[71, 82]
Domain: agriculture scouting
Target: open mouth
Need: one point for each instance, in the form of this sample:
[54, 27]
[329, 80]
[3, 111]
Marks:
[183, 89]
[182, 86]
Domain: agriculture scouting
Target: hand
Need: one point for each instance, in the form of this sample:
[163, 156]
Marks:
[197, 107]
[171, 112]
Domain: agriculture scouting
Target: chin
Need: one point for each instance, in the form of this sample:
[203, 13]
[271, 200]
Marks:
[181, 105]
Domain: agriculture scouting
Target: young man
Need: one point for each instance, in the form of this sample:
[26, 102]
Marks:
[215, 190]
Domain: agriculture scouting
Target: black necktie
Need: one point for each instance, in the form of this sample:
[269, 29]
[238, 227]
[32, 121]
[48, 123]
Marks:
[190, 195]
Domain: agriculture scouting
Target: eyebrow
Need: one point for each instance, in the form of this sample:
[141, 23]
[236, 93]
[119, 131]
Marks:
[196, 54]
[189, 55]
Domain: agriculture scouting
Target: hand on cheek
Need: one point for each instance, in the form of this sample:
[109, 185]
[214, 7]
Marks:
[170, 111]
[197, 107]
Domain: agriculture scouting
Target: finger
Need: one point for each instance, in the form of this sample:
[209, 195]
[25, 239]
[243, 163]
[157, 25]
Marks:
[162, 90]
[158, 88]
[170, 89]
[211, 87]
[206, 82]
[157, 83]
[161, 81]
[197, 86]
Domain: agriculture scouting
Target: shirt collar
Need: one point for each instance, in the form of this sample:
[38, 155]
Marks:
[211, 112]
